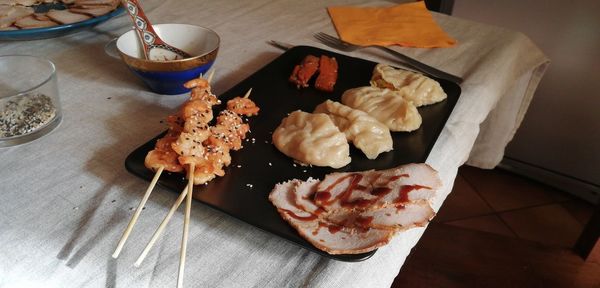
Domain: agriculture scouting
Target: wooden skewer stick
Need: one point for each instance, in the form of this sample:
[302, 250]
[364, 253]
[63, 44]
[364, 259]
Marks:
[248, 93]
[186, 224]
[210, 76]
[138, 210]
[161, 227]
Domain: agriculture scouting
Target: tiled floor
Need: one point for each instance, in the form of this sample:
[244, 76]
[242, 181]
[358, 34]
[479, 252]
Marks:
[497, 229]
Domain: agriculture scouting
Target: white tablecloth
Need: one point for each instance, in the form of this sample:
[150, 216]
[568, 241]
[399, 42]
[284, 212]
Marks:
[66, 198]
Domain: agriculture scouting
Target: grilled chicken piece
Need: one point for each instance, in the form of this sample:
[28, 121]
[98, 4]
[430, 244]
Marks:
[328, 72]
[303, 72]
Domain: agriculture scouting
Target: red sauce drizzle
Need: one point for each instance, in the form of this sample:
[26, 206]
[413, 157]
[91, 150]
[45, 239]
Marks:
[334, 228]
[405, 190]
[301, 218]
[323, 198]
[364, 221]
[331, 227]
[394, 178]
[380, 191]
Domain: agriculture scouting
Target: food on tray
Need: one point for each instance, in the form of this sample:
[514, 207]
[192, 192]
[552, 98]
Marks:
[19, 14]
[242, 106]
[11, 14]
[328, 71]
[206, 147]
[163, 155]
[415, 87]
[304, 71]
[20, 2]
[32, 22]
[327, 68]
[191, 140]
[357, 212]
[365, 132]
[385, 105]
[312, 139]
[66, 16]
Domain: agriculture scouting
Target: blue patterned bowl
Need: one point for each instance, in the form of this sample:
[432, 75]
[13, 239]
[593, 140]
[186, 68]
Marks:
[168, 77]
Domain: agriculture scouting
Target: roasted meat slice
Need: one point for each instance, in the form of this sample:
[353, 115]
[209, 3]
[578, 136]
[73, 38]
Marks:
[399, 217]
[328, 71]
[304, 71]
[357, 217]
[375, 189]
[329, 237]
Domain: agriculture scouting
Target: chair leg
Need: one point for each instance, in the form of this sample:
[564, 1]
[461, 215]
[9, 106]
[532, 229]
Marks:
[588, 244]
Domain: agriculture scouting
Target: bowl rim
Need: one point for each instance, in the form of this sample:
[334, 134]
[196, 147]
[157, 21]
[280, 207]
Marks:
[217, 45]
[46, 80]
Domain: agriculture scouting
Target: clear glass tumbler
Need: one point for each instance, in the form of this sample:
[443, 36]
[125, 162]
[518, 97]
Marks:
[29, 100]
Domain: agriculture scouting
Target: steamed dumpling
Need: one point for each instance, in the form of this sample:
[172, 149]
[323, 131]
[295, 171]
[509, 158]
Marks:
[365, 132]
[312, 139]
[415, 87]
[387, 106]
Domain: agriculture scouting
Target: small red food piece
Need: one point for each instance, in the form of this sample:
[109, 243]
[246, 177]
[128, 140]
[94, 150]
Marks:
[328, 71]
[303, 72]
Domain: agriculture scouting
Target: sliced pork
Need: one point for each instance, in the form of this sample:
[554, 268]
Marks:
[329, 237]
[374, 189]
[360, 211]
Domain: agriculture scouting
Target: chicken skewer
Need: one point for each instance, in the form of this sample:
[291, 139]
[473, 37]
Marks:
[197, 113]
[161, 158]
[232, 139]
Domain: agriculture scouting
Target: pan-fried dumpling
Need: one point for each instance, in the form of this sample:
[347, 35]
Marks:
[415, 87]
[385, 105]
[312, 139]
[365, 132]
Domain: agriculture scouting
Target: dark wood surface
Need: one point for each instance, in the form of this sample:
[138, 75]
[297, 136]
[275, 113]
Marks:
[449, 256]
[590, 237]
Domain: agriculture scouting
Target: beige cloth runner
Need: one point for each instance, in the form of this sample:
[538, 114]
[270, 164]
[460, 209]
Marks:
[66, 198]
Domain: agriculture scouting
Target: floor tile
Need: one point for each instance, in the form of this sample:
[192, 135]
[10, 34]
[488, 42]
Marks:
[449, 256]
[463, 202]
[488, 223]
[551, 225]
[581, 210]
[505, 191]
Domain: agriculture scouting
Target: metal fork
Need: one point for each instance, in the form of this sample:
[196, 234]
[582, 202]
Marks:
[338, 44]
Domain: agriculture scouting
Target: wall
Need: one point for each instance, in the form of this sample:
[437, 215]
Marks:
[560, 135]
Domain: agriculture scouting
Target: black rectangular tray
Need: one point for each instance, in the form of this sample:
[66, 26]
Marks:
[255, 169]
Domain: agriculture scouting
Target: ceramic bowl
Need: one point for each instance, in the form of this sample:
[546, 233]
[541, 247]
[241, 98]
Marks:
[168, 77]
